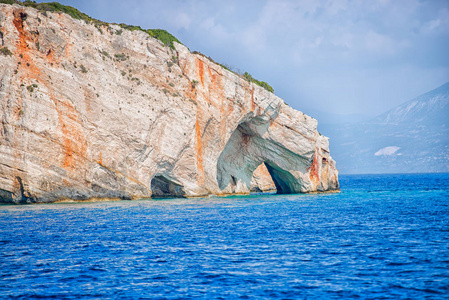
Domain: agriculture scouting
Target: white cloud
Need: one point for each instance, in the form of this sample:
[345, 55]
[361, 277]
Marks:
[388, 151]
[440, 23]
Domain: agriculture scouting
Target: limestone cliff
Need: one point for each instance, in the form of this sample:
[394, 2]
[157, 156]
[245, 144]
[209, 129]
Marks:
[101, 112]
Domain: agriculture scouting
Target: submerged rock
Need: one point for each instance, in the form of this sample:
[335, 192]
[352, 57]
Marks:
[95, 111]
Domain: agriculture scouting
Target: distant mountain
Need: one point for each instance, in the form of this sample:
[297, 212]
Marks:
[432, 108]
[413, 137]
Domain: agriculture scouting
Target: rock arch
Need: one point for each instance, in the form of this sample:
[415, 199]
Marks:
[252, 144]
[282, 179]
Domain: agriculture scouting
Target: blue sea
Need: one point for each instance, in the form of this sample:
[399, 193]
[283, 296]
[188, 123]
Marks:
[381, 237]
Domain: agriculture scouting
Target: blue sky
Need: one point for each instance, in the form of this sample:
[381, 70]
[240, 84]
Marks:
[342, 57]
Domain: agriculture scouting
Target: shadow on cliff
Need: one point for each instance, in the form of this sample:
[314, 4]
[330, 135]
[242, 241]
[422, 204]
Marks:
[163, 187]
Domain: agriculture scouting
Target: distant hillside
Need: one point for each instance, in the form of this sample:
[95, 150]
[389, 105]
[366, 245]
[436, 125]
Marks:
[432, 108]
[413, 137]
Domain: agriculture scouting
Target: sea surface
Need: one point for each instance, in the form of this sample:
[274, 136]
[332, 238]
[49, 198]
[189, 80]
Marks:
[381, 237]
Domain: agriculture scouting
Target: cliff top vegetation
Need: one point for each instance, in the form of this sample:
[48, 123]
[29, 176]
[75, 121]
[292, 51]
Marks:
[245, 75]
[160, 34]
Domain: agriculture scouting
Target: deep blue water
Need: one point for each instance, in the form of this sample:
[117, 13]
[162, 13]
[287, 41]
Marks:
[382, 237]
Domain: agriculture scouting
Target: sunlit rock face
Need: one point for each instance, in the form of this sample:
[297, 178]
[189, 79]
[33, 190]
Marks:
[261, 182]
[91, 112]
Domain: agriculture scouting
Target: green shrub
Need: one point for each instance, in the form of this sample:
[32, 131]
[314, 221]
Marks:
[160, 34]
[83, 69]
[246, 74]
[210, 58]
[259, 83]
[5, 51]
[130, 27]
[57, 7]
[120, 57]
[9, 2]
[164, 36]
[225, 67]
[104, 53]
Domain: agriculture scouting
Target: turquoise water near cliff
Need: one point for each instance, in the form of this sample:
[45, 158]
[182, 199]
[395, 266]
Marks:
[383, 236]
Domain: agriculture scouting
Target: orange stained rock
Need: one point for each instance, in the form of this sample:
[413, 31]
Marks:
[73, 143]
[73, 140]
[324, 171]
[200, 70]
[216, 87]
[51, 57]
[22, 47]
[68, 152]
[263, 171]
[313, 169]
[199, 154]
[264, 176]
[253, 105]
[67, 50]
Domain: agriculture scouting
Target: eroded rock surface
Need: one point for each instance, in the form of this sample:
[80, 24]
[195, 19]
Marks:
[91, 112]
[261, 182]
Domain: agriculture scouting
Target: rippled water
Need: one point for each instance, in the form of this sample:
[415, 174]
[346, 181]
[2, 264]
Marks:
[383, 236]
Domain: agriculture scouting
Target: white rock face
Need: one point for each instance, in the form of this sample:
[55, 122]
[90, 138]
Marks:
[92, 112]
